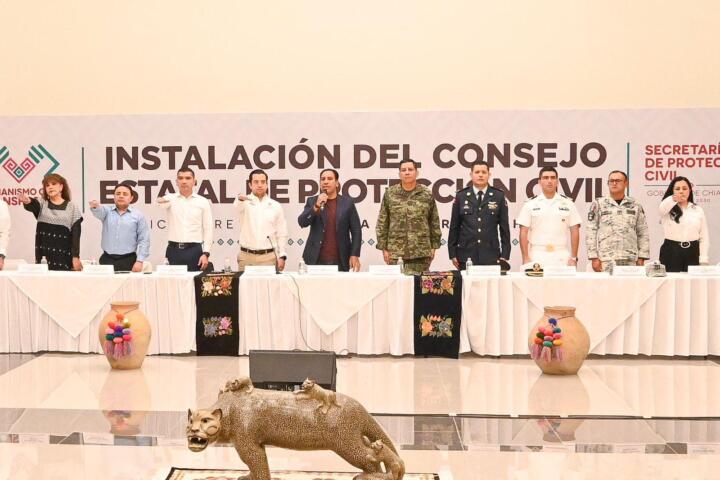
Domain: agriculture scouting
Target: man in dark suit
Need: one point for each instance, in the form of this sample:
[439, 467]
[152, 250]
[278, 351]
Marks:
[479, 214]
[335, 231]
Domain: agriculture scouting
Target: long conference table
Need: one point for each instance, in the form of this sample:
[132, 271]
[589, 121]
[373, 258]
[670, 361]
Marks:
[361, 313]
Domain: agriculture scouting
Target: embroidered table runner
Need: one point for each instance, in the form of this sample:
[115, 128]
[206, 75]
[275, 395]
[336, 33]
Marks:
[216, 329]
[438, 308]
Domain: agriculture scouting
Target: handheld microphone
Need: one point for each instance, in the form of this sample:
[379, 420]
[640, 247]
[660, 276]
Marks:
[322, 205]
[277, 261]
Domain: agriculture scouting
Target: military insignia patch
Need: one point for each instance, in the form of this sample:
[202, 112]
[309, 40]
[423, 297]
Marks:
[492, 205]
[591, 213]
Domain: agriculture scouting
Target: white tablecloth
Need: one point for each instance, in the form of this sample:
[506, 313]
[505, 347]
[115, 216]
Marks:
[279, 314]
[71, 300]
[676, 315]
[25, 326]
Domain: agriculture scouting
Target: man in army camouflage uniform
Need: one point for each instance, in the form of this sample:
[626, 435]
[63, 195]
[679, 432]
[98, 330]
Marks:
[617, 229]
[409, 224]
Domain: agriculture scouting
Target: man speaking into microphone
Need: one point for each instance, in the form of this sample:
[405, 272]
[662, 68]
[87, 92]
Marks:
[335, 232]
[262, 226]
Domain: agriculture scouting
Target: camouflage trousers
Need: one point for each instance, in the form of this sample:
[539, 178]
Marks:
[416, 266]
[621, 262]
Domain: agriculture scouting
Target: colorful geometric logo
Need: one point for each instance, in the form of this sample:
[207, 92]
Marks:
[19, 171]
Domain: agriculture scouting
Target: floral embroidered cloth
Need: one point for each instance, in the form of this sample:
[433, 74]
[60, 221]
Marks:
[438, 308]
[216, 331]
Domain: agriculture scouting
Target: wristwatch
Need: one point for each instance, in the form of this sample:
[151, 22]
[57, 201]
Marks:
[574, 258]
[207, 254]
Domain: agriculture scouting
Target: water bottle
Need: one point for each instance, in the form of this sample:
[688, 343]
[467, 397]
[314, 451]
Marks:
[302, 267]
[228, 267]
[468, 264]
[401, 264]
[611, 267]
[166, 261]
[43, 261]
[93, 261]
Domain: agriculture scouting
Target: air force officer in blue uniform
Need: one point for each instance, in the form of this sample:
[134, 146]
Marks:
[479, 227]
[335, 231]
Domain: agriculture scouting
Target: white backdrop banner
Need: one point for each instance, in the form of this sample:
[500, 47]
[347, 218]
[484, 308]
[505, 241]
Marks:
[96, 152]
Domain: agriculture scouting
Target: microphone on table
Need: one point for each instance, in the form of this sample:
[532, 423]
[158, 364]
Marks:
[277, 261]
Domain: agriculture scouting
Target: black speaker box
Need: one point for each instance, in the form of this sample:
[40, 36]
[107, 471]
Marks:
[283, 370]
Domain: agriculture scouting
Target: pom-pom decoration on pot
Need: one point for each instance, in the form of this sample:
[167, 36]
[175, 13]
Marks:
[558, 342]
[547, 344]
[118, 338]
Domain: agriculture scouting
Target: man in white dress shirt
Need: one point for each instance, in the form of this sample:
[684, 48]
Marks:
[189, 224]
[4, 231]
[262, 226]
[544, 223]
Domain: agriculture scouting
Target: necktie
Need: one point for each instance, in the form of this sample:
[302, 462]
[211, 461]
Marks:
[479, 196]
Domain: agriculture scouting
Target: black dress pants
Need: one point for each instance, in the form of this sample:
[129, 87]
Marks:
[189, 255]
[678, 256]
[120, 263]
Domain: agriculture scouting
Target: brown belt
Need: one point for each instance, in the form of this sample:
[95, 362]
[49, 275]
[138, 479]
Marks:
[256, 252]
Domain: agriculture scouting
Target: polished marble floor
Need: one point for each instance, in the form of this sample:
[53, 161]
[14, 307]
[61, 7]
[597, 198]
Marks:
[69, 416]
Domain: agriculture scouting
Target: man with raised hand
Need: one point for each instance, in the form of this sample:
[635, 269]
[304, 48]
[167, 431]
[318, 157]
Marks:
[189, 224]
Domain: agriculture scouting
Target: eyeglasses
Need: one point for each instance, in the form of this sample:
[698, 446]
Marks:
[616, 180]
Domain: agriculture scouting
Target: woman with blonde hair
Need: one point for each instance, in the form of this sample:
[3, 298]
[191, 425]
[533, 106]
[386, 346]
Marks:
[57, 235]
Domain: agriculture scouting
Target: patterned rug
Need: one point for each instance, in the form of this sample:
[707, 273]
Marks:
[195, 474]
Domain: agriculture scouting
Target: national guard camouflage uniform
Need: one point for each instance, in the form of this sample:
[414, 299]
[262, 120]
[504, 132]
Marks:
[617, 232]
[409, 227]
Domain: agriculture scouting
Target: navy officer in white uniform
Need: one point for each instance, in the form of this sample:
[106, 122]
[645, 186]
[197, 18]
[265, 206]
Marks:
[544, 224]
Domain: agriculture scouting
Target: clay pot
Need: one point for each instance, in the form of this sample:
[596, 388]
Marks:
[140, 328]
[575, 342]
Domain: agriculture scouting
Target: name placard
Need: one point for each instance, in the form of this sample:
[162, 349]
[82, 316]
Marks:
[37, 438]
[98, 269]
[484, 271]
[98, 438]
[385, 270]
[259, 270]
[171, 269]
[628, 271]
[704, 270]
[559, 271]
[322, 269]
[703, 448]
[33, 268]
